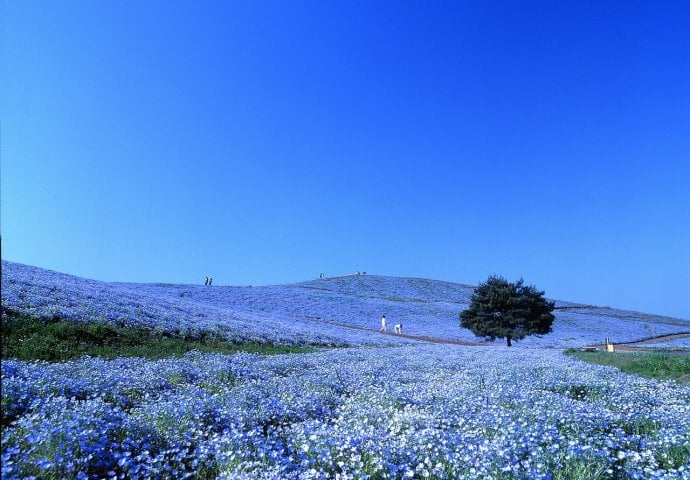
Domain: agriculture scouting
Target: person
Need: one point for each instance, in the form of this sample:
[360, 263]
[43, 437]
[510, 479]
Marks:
[206, 281]
[398, 328]
[383, 324]
[210, 280]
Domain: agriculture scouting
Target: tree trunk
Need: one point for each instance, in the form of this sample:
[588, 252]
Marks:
[508, 341]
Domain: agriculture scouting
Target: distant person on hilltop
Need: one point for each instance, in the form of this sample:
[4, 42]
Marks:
[398, 328]
[383, 328]
[206, 281]
[210, 280]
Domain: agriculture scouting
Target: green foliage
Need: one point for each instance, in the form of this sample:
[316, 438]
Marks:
[640, 426]
[661, 366]
[580, 468]
[674, 456]
[29, 338]
[579, 392]
[500, 309]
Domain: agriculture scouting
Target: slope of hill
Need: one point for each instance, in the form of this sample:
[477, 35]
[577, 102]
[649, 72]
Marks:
[179, 310]
[300, 313]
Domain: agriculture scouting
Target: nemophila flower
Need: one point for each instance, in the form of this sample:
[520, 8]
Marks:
[422, 411]
[286, 313]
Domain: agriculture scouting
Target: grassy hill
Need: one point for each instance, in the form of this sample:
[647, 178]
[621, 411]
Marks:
[304, 313]
[418, 410]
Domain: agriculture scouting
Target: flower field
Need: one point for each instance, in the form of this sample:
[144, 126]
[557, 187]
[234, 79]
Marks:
[432, 411]
[383, 407]
[286, 313]
[184, 311]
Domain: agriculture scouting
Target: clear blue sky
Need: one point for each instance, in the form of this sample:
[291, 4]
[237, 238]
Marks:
[267, 142]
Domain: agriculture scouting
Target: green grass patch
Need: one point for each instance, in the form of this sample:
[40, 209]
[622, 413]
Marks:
[660, 366]
[29, 338]
[579, 392]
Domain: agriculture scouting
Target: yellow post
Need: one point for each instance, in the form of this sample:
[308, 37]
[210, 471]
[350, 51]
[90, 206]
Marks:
[609, 347]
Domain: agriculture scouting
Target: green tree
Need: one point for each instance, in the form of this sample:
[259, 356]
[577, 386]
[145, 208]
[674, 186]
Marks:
[500, 309]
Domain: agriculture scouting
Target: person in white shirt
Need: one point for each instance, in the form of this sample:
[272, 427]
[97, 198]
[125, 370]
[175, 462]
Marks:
[383, 324]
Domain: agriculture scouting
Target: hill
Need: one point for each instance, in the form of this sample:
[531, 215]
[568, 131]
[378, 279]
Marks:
[306, 313]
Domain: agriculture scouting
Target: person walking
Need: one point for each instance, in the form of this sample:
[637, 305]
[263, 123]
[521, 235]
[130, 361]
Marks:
[383, 328]
[210, 280]
[206, 281]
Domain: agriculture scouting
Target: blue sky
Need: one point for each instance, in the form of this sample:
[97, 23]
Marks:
[267, 142]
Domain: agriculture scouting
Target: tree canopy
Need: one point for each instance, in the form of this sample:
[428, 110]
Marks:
[501, 309]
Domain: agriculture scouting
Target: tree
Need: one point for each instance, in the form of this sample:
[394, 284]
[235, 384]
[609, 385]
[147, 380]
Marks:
[500, 309]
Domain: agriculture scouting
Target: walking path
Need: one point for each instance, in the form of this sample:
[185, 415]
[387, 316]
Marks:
[638, 345]
[621, 347]
[404, 335]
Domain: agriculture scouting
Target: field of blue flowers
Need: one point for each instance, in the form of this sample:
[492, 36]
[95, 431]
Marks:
[385, 407]
[287, 313]
[422, 411]
[187, 311]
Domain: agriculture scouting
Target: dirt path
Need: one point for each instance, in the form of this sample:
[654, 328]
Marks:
[661, 338]
[403, 335]
[621, 347]
[638, 345]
